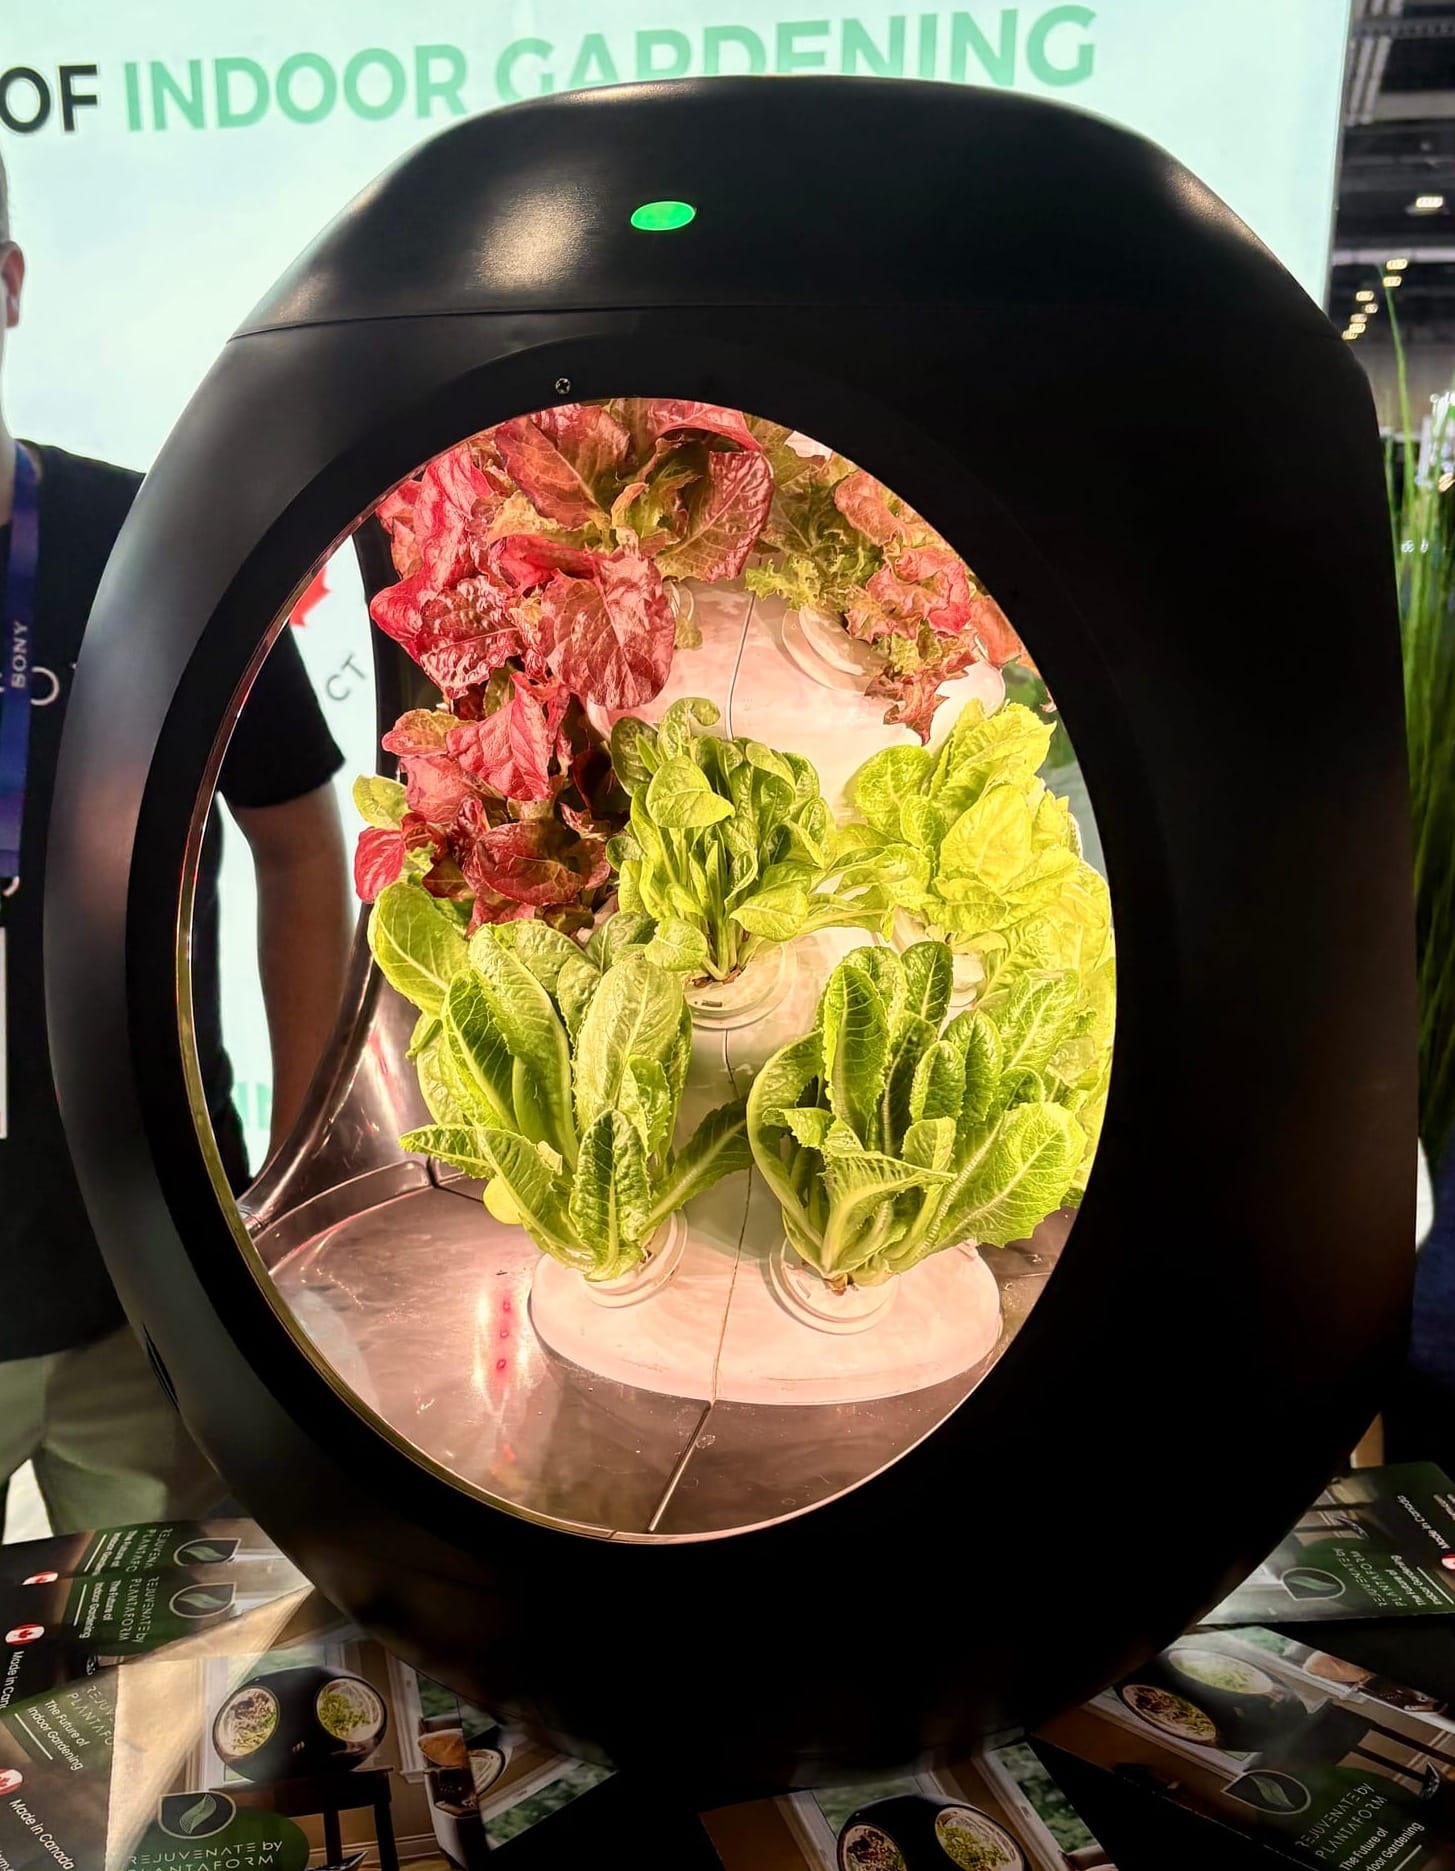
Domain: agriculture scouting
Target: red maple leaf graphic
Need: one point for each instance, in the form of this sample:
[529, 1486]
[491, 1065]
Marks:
[317, 589]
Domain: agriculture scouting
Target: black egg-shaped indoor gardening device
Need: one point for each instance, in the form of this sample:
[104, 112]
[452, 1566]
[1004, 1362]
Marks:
[866, 1170]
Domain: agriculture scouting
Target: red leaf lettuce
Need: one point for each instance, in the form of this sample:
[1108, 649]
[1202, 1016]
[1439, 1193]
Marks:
[838, 541]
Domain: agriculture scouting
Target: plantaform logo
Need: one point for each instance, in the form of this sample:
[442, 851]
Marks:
[1000, 46]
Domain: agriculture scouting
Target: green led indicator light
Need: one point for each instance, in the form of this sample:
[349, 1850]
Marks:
[660, 217]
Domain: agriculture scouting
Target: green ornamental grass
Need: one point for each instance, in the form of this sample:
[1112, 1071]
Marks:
[1423, 525]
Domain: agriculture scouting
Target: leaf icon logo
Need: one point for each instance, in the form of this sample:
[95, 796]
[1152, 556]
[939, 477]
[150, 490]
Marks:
[205, 1552]
[195, 1815]
[1271, 1792]
[1310, 1582]
[1274, 1794]
[202, 1601]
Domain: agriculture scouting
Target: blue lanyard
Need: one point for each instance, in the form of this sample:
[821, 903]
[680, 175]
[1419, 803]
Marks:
[18, 623]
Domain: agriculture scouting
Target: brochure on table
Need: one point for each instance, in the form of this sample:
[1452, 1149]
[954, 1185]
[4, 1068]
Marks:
[271, 1735]
[1000, 1811]
[250, 1723]
[1322, 1762]
[1378, 1543]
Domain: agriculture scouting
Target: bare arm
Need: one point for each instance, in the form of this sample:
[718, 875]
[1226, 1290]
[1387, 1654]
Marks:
[305, 926]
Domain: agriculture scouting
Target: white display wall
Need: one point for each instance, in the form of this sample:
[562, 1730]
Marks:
[168, 158]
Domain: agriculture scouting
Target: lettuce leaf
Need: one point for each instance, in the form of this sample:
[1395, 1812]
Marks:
[417, 943]
[452, 491]
[634, 1014]
[880, 787]
[717, 1148]
[379, 802]
[511, 752]
[508, 808]
[538, 1198]
[664, 416]
[1023, 1174]
[724, 516]
[727, 846]
[476, 1061]
[1001, 880]
[887, 1135]
[609, 1203]
[609, 638]
[855, 1038]
[459, 1146]
[532, 1037]
[465, 633]
[562, 458]
[534, 562]
[839, 543]
[871, 509]
[555, 1075]
[535, 862]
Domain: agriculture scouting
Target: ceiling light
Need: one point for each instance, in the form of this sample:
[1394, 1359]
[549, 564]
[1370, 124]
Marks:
[1352, 332]
[1366, 297]
[1392, 279]
[1397, 265]
[1426, 204]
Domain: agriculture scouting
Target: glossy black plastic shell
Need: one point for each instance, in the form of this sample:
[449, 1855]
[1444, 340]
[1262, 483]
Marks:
[1051, 339]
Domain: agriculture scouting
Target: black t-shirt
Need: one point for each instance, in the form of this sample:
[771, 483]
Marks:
[54, 1292]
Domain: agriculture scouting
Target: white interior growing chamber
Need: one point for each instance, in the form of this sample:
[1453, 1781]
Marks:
[733, 846]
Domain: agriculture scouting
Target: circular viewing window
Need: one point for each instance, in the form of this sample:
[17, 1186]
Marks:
[747, 996]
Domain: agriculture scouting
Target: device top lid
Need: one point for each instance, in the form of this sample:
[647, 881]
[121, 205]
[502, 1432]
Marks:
[835, 192]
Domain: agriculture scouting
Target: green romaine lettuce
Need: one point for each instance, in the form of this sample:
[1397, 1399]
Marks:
[555, 1075]
[418, 943]
[727, 848]
[887, 1136]
[987, 860]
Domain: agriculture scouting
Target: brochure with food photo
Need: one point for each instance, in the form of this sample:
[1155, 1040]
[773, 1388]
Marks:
[517, 1782]
[270, 1734]
[342, 1754]
[998, 1812]
[310, 1744]
[79, 1740]
[1322, 1762]
[1377, 1543]
[306, 1747]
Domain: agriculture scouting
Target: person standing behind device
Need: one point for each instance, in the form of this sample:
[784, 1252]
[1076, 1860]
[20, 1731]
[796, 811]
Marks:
[77, 1396]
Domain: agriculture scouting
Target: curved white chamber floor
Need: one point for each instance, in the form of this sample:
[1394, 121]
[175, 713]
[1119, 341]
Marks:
[718, 1331]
